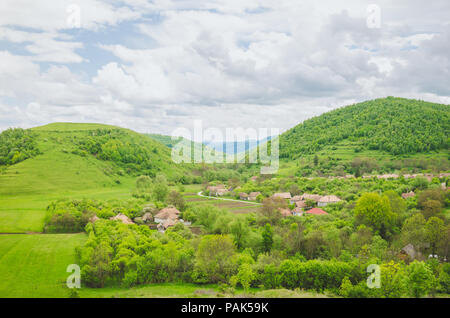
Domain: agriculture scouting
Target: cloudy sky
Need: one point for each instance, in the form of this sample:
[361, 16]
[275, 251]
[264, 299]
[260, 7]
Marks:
[154, 66]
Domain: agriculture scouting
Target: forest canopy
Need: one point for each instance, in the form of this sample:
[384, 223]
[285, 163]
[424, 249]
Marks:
[393, 125]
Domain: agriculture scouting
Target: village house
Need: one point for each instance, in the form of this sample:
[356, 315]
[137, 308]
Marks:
[218, 190]
[282, 195]
[313, 197]
[316, 211]
[324, 201]
[122, 218]
[410, 253]
[297, 211]
[243, 196]
[252, 196]
[295, 199]
[408, 195]
[388, 176]
[300, 204]
[221, 192]
[169, 213]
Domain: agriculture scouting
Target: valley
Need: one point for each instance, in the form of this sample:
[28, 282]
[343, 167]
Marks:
[363, 184]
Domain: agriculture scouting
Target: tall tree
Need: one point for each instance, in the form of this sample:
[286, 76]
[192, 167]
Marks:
[267, 237]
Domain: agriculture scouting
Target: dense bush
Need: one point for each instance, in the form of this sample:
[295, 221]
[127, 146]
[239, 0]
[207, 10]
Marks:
[130, 254]
[16, 145]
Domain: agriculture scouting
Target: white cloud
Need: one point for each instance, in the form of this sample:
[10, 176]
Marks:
[230, 63]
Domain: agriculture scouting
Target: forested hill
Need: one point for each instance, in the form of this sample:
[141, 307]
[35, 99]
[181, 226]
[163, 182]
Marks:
[392, 125]
[79, 156]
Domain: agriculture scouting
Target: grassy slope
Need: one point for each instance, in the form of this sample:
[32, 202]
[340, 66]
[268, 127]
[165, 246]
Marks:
[29, 186]
[35, 265]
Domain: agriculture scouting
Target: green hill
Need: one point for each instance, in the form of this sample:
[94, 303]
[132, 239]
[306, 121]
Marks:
[394, 126]
[72, 160]
[382, 135]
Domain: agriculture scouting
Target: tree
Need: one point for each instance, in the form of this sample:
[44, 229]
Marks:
[239, 230]
[215, 261]
[96, 272]
[430, 194]
[420, 279]
[375, 211]
[294, 238]
[176, 199]
[160, 188]
[431, 208]
[143, 183]
[294, 189]
[270, 208]
[435, 233]
[267, 237]
[245, 276]
[413, 231]
[398, 205]
[392, 280]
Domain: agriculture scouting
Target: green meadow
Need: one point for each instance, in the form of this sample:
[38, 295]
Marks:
[35, 265]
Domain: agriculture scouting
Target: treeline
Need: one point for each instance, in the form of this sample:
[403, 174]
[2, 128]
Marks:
[331, 165]
[393, 125]
[72, 216]
[117, 254]
[116, 145]
[16, 145]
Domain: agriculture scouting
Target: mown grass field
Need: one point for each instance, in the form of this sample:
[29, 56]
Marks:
[35, 265]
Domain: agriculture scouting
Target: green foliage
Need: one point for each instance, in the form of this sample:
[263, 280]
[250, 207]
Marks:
[316, 274]
[160, 188]
[239, 230]
[375, 211]
[444, 278]
[130, 255]
[392, 280]
[244, 277]
[267, 237]
[420, 279]
[215, 259]
[143, 183]
[393, 125]
[435, 233]
[71, 216]
[177, 200]
[16, 145]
